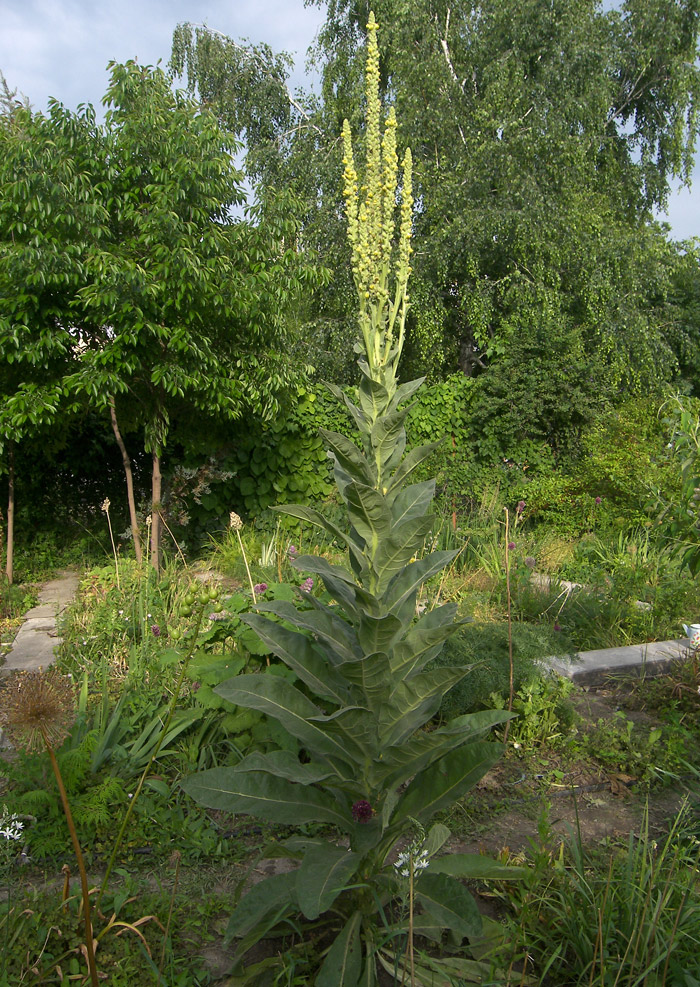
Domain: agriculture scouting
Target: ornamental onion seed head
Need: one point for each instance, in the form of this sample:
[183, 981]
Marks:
[38, 708]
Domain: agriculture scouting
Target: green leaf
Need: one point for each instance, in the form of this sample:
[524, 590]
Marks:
[395, 551]
[475, 867]
[323, 874]
[413, 501]
[283, 702]
[300, 654]
[404, 392]
[412, 702]
[388, 441]
[437, 836]
[350, 458]
[409, 579]
[446, 780]
[422, 640]
[378, 633]
[371, 676]
[263, 899]
[450, 903]
[411, 462]
[323, 623]
[316, 518]
[285, 764]
[368, 514]
[261, 795]
[342, 964]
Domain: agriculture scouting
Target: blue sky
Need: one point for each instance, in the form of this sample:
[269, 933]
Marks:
[61, 48]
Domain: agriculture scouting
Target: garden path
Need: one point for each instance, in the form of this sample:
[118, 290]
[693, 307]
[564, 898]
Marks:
[36, 641]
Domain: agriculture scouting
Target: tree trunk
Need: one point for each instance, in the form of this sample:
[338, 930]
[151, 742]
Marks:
[129, 482]
[156, 485]
[9, 568]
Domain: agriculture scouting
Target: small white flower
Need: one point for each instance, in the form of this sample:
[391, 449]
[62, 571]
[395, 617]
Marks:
[516, 746]
[121, 612]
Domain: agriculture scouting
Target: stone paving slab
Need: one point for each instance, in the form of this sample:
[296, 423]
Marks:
[593, 667]
[37, 639]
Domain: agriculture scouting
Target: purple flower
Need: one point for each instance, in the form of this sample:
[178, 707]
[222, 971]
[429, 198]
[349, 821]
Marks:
[307, 585]
[292, 550]
[195, 686]
[260, 588]
[521, 507]
[155, 630]
[557, 627]
[599, 500]
[529, 562]
[362, 811]
[511, 546]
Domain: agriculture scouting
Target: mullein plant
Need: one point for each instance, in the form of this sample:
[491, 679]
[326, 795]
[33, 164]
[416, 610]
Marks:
[362, 698]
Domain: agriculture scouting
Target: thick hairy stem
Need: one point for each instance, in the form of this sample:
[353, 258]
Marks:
[129, 482]
[89, 948]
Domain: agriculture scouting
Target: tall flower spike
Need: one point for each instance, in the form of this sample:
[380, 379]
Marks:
[370, 206]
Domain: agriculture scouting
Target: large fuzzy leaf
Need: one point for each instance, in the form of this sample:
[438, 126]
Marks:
[286, 764]
[370, 676]
[373, 396]
[323, 874]
[351, 459]
[446, 780]
[342, 964]
[283, 702]
[411, 462]
[368, 514]
[339, 582]
[378, 633]
[450, 903]
[262, 795]
[301, 654]
[410, 578]
[320, 521]
[357, 413]
[429, 632]
[413, 501]
[403, 761]
[388, 438]
[404, 392]
[412, 702]
[476, 867]
[355, 728]
[396, 551]
[337, 634]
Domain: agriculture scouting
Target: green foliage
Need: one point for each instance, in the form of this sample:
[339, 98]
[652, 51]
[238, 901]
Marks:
[544, 713]
[96, 800]
[485, 648]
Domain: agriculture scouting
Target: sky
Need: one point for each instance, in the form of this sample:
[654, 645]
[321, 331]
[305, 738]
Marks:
[60, 48]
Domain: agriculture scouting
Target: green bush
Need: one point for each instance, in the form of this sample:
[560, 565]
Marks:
[485, 646]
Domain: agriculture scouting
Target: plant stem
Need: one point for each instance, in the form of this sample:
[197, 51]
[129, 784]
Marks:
[114, 547]
[510, 629]
[245, 559]
[81, 863]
